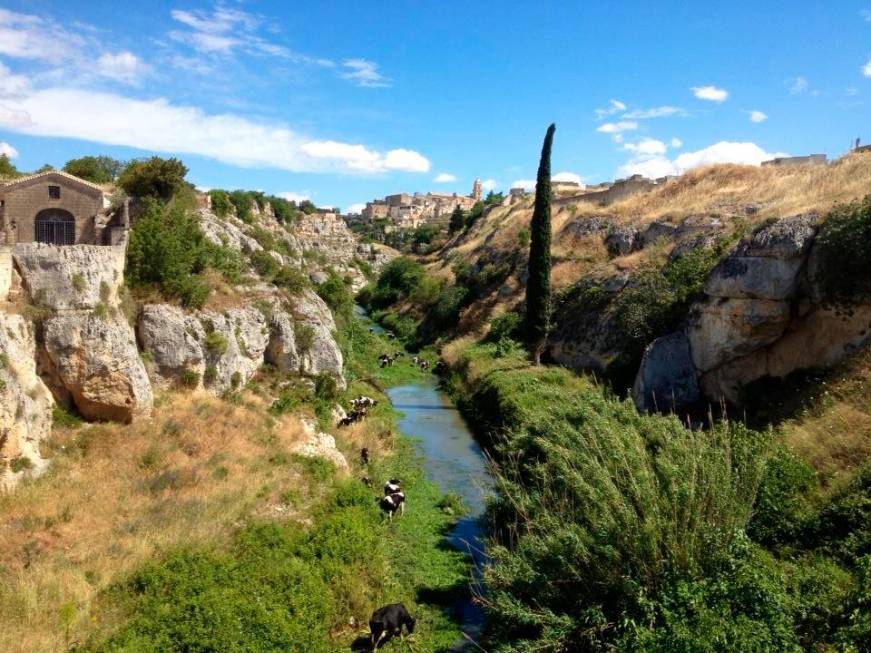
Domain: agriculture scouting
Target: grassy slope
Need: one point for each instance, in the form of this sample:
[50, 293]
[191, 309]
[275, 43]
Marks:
[130, 514]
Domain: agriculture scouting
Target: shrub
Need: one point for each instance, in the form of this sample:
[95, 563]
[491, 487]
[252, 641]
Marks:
[305, 337]
[78, 282]
[154, 178]
[7, 168]
[96, 169]
[335, 292]
[291, 279]
[235, 380]
[244, 203]
[216, 343]
[64, 418]
[221, 203]
[326, 387]
[210, 374]
[844, 247]
[399, 278]
[21, 464]
[264, 263]
[508, 325]
[783, 506]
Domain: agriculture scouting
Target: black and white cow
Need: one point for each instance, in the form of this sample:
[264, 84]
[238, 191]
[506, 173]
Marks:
[392, 486]
[393, 503]
[388, 621]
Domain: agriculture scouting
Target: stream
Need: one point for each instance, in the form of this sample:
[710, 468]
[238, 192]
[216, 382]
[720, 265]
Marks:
[452, 459]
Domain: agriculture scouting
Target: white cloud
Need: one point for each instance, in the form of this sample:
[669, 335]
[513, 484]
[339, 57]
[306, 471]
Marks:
[488, 185]
[26, 36]
[675, 142]
[866, 69]
[356, 208]
[567, 176]
[710, 93]
[722, 152]
[363, 73]
[655, 112]
[8, 150]
[646, 147]
[617, 127]
[123, 66]
[290, 196]
[160, 126]
[758, 116]
[444, 178]
[614, 106]
[11, 84]
[797, 85]
[525, 184]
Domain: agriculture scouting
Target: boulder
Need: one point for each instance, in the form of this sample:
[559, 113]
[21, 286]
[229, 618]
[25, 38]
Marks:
[725, 329]
[281, 349]
[93, 361]
[25, 403]
[621, 241]
[787, 238]
[173, 340]
[70, 278]
[658, 231]
[666, 379]
[233, 346]
[317, 444]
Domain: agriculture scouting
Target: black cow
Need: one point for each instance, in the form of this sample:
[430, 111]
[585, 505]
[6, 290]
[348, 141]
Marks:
[364, 456]
[387, 622]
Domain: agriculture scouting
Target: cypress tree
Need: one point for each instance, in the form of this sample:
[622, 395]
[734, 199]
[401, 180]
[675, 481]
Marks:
[537, 321]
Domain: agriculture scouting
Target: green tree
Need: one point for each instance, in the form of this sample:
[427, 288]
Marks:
[458, 220]
[307, 207]
[155, 177]
[44, 168]
[493, 199]
[538, 287]
[7, 168]
[96, 169]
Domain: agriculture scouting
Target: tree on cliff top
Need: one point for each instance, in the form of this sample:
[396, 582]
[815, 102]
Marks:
[155, 177]
[538, 287]
[96, 169]
[7, 168]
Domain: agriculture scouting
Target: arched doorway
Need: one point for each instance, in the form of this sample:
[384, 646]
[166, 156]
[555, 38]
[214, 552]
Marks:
[55, 227]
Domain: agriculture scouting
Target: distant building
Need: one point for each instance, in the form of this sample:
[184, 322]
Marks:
[476, 190]
[810, 159]
[405, 211]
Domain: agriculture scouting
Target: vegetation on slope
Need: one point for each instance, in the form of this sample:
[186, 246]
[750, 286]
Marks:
[614, 529]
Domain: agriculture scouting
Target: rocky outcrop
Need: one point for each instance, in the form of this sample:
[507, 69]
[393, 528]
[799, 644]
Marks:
[762, 316]
[221, 351]
[93, 362]
[25, 402]
[86, 349]
[667, 377]
[78, 277]
[317, 444]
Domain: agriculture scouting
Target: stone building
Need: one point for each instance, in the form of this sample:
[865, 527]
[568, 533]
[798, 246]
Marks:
[53, 207]
[810, 159]
[409, 211]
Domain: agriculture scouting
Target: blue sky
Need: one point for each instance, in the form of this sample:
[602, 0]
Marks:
[345, 101]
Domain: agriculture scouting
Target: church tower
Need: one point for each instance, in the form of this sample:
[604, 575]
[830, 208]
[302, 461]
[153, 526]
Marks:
[476, 190]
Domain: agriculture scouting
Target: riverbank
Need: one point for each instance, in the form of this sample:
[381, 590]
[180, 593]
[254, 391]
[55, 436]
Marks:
[614, 529]
[202, 530]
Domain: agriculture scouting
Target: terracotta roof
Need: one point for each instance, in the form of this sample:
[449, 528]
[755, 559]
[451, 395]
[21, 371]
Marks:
[20, 180]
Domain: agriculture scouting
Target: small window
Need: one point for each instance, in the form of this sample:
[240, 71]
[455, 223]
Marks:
[54, 192]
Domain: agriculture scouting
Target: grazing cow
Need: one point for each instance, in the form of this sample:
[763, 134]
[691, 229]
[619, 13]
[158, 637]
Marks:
[392, 486]
[385, 360]
[440, 367]
[416, 360]
[387, 622]
[363, 402]
[364, 456]
[390, 335]
[393, 503]
[424, 365]
[355, 416]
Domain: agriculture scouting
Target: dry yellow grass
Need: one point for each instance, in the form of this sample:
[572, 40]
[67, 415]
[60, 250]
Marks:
[118, 496]
[726, 188]
[834, 433]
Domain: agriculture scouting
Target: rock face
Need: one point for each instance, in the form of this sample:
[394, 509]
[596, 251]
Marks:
[317, 444]
[87, 353]
[222, 351]
[25, 402]
[761, 317]
[667, 377]
[94, 362]
[70, 278]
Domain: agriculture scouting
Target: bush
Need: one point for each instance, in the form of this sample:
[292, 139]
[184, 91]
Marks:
[216, 343]
[154, 178]
[221, 204]
[305, 337]
[265, 265]
[783, 506]
[7, 168]
[844, 247]
[168, 250]
[21, 464]
[335, 292]
[508, 325]
[291, 279]
[189, 379]
[399, 278]
[96, 169]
